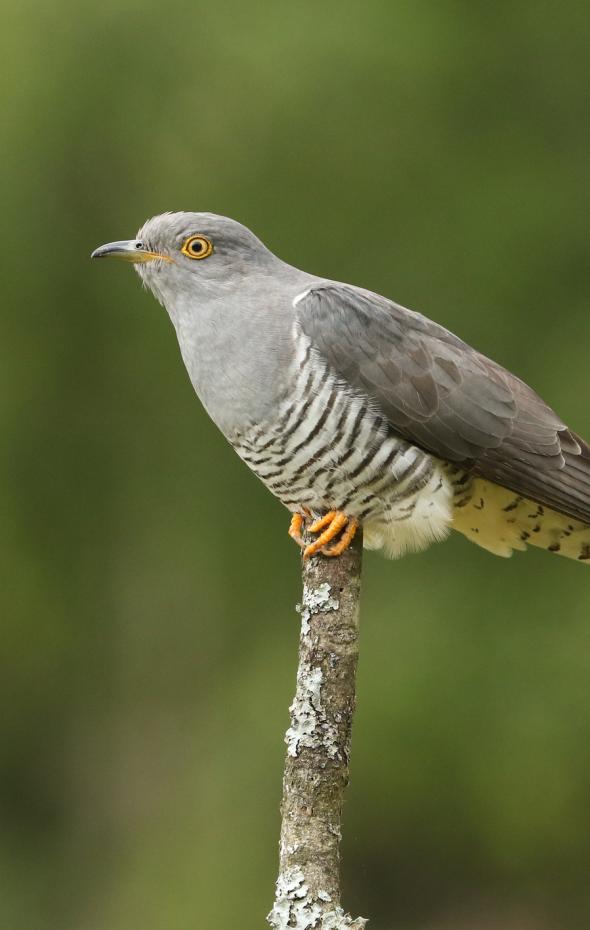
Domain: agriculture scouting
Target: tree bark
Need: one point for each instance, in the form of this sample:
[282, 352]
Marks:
[318, 747]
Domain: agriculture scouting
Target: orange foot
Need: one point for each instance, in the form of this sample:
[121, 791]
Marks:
[295, 527]
[329, 526]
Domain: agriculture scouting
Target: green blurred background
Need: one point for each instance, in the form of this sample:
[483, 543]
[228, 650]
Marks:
[436, 152]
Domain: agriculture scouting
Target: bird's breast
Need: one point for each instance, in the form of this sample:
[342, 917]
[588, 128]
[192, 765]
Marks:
[329, 448]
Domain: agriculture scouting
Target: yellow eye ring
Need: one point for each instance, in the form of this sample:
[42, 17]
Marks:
[197, 247]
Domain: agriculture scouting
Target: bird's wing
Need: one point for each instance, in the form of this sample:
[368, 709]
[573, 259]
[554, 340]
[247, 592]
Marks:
[442, 395]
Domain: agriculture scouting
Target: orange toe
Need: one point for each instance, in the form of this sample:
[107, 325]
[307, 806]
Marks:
[344, 541]
[322, 522]
[295, 528]
[337, 522]
[330, 526]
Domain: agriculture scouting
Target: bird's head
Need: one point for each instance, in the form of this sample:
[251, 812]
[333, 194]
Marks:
[191, 255]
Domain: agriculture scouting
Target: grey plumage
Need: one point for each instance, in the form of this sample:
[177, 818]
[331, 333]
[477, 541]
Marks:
[340, 399]
[438, 392]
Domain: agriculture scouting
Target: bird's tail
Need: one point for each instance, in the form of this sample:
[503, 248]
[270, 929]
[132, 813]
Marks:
[501, 521]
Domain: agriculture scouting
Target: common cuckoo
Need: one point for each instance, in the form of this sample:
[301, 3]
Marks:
[356, 411]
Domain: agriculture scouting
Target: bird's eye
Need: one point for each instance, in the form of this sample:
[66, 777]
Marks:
[197, 247]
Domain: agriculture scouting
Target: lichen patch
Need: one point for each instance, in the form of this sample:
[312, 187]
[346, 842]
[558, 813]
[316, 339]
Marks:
[315, 600]
[296, 909]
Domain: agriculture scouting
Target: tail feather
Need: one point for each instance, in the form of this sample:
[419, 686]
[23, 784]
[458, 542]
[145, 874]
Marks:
[501, 521]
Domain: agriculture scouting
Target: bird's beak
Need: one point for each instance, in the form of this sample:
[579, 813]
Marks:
[128, 250]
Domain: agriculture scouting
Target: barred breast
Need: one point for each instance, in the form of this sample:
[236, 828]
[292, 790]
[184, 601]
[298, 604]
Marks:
[331, 449]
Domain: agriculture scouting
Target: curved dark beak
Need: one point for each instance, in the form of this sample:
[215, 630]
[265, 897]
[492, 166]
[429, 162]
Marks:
[128, 250]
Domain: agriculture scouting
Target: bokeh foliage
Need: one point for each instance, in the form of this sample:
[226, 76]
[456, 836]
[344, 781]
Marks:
[434, 151]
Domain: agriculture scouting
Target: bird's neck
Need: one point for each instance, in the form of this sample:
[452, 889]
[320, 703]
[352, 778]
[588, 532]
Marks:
[237, 346]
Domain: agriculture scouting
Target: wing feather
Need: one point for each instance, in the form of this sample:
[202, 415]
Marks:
[443, 395]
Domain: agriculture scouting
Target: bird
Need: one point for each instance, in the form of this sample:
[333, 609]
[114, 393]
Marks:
[355, 411]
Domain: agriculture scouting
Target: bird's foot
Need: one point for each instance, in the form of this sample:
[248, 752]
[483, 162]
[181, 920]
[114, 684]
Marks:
[295, 528]
[330, 526]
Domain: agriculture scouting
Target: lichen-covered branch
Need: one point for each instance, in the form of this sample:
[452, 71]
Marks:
[318, 748]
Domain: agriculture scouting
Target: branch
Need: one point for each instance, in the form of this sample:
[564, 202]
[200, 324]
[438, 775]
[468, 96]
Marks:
[318, 747]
